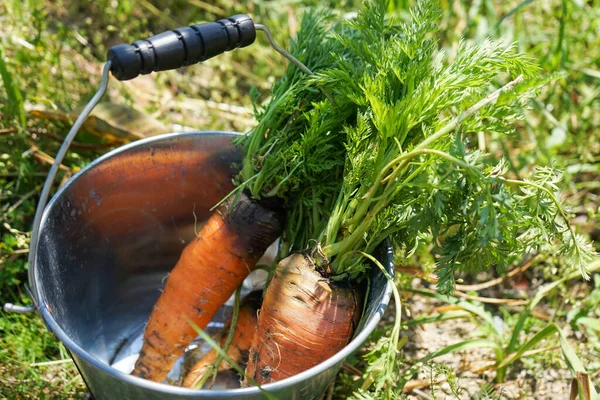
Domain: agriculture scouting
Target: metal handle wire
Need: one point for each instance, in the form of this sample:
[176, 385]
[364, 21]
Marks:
[13, 308]
[45, 194]
[281, 51]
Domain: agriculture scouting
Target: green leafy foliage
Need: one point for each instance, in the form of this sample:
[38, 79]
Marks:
[400, 152]
[68, 42]
[23, 341]
[295, 152]
[510, 345]
[374, 145]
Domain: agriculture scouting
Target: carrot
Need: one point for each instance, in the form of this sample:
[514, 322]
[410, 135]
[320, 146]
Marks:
[305, 319]
[367, 149]
[209, 270]
[238, 348]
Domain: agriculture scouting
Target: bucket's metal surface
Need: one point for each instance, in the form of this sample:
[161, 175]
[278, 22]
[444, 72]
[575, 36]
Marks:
[112, 233]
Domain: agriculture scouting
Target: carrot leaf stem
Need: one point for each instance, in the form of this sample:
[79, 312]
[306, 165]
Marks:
[206, 337]
[381, 373]
[386, 152]
[213, 369]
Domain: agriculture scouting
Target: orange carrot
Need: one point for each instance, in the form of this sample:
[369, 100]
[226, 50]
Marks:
[209, 270]
[239, 346]
[305, 319]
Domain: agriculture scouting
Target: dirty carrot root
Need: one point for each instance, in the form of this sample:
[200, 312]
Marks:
[239, 346]
[209, 270]
[304, 320]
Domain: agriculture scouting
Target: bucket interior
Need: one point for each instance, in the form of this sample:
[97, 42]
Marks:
[112, 234]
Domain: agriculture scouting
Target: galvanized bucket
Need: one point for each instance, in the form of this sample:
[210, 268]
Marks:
[109, 237]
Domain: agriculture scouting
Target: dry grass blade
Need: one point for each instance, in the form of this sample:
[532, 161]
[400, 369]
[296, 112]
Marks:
[194, 104]
[21, 251]
[421, 383]
[491, 300]
[330, 391]
[207, 7]
[580, 387]
[45, 158]
[292, 22]
[14, 255]
[75, 145]
[497, 281]
[352, 369]
[114, 122]
[418, 273]
[442, 309]
[55, 362]
[7, 131]
[18, 203]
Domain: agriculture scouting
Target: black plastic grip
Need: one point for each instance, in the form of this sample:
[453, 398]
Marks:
[181, 47]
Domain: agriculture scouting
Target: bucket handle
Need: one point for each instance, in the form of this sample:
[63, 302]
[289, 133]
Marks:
[188, 45]
[168, 50]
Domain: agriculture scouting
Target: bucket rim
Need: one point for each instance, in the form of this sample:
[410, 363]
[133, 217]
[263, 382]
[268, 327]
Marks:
[32, 276]
[54, 327]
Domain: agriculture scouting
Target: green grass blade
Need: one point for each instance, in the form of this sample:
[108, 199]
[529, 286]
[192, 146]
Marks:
[513, 11]
[437, 318]
[573, 362]
[543, 334]
[577, 369]
[460, 346]
[15, 99]
[514, 340]
[215, 365]
[464, 345]
[472, 308]
[224, 355]
[589, 322]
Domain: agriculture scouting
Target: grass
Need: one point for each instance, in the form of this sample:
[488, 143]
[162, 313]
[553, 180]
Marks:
[51, 53]
[508, 348]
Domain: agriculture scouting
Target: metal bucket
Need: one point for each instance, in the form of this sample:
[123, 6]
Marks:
[111, 234]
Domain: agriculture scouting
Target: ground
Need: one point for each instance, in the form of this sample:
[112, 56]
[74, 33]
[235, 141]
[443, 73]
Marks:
[51, 56]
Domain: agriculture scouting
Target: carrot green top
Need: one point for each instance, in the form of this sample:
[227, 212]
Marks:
[375, 145]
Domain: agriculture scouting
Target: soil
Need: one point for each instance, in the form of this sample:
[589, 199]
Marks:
[542, 383]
